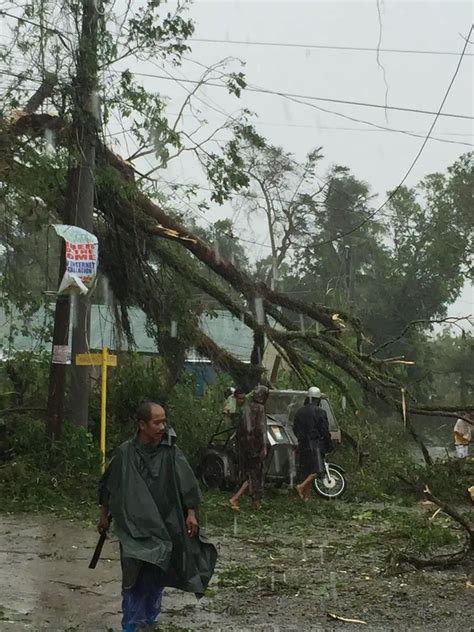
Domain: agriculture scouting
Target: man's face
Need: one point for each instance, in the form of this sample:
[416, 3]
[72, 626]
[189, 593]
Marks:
[154, 429]
[240, 399]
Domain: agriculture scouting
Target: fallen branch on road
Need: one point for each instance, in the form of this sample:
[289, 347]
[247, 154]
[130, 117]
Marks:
[451, 559]
[335, 617]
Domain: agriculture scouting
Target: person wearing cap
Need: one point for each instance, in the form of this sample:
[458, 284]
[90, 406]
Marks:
[311, 427]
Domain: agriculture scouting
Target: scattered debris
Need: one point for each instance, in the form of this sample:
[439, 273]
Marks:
[336, 617]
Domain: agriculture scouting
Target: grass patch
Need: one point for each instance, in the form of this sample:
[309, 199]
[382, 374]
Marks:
[236, 576]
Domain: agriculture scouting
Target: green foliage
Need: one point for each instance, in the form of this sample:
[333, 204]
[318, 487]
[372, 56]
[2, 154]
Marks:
[195, 418]
[391, 269]
[451, 369]
[448, 480]
[24, 379]
[236, 83]
[147, 28]
[418, 534]
[36, 473]
[387, 452]
[137, 379]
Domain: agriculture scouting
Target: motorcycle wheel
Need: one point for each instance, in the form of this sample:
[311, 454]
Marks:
[213, 472]
[332, 486]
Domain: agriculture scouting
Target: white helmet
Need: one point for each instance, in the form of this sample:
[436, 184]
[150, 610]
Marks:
[314, 393]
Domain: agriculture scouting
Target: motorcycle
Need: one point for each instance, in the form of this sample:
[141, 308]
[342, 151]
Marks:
[219, 467]
[333, 484]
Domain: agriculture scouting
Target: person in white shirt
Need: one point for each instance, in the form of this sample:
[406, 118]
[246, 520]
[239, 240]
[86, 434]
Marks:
[462, 436]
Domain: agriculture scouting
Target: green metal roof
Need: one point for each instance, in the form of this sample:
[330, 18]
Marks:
[225, 330]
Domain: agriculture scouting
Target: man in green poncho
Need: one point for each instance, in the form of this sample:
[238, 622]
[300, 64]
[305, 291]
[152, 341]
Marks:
[151, 493]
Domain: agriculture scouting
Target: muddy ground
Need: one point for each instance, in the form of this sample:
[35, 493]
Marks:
[285, 569]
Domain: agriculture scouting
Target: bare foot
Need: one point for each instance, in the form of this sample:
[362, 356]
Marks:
[301, 493]
[234, 504]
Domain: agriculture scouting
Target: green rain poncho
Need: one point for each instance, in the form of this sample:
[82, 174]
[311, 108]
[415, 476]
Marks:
[148, 490]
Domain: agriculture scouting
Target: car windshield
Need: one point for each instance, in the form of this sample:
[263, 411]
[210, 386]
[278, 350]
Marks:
[282, 407]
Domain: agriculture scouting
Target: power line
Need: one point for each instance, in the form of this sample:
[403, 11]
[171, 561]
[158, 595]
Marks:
[250, 88]
[47, 26]
[376, 126]
[326, 47]
[355, 129]
[381, 129]
[420, 151]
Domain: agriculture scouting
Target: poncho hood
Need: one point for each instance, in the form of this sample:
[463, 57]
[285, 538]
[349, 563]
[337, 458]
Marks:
[260, 394]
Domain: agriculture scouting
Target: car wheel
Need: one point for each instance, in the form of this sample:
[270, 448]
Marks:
[213, 472]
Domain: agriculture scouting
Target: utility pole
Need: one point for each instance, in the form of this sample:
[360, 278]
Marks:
[349, 277]
[57, 369]
[78, 210]
[82, 210]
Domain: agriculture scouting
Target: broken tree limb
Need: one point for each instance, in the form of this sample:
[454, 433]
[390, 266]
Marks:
[346, 359]
[441, 412]
[44, 92]
[245, 375]
[449, 560]
[414, 323]
[453, 513]
[121, 203]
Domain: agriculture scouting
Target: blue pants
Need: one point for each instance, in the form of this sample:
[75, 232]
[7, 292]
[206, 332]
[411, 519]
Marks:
[141, 604]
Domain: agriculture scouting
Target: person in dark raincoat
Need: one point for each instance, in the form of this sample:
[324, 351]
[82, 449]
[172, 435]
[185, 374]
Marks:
[251, 437]
[152, 495]
[311, 427]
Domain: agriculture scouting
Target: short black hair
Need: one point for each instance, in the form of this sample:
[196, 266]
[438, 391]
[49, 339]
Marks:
[143, 412]
[239, 391]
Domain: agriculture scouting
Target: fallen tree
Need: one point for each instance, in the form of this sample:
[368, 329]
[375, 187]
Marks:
[130, 222]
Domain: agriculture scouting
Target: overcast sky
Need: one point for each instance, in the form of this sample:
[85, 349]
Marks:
[381, 158]
[416, 81]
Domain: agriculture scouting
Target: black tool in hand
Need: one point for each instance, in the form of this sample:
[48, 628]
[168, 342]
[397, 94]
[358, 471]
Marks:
[98, 548]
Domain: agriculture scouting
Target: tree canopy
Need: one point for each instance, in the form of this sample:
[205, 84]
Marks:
[363, 278]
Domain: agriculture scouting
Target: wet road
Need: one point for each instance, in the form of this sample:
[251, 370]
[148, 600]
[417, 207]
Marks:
[279, 577]
[45, 582]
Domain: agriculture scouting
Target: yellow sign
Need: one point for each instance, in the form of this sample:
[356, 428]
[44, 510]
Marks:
[104, 360]
[95, 359]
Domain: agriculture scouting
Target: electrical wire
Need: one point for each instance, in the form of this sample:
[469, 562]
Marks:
[45, 25]
[335, 113]
[420, 151]
[203, 40]
[289, 95]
